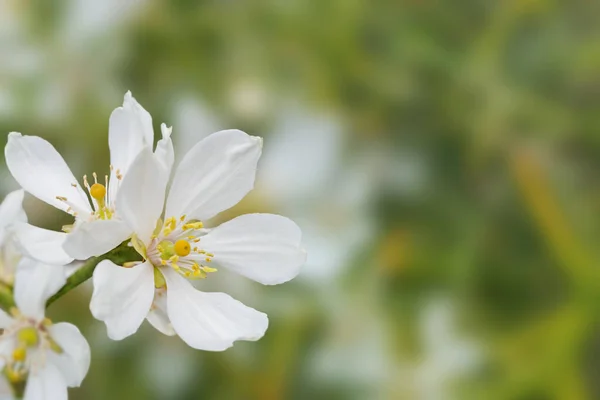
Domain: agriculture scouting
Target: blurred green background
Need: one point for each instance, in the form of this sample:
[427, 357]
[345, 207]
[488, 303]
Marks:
[441, 157]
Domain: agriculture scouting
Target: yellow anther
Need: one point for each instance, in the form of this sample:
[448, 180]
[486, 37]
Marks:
[193, 225]
[28, 336]
[210, 255]
[98, 191]
[182, 218]
[163, 262]
[170, 225]
[19, 354]
[159, 279]
[182, 248]
[208, 259]
[209, 269]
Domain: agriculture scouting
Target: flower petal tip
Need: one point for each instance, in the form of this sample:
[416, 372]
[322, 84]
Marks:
[258, 140]
[166, 130]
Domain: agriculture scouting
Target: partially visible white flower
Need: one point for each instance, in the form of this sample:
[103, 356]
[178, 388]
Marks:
[49, 357]
[213, 176]
[11, 212]
[41, 171]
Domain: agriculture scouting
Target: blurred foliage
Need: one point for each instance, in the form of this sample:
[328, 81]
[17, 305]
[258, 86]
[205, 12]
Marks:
[474, 124]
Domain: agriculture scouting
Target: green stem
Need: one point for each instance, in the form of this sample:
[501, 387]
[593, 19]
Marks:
[120, 255]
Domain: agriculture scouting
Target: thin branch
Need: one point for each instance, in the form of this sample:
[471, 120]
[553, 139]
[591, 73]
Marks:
[119, 255]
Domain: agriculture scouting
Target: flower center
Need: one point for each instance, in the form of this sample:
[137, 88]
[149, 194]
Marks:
[174, 244]
[100, 194]
[32, 339]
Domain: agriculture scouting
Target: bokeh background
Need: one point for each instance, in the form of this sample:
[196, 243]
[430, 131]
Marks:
[441, 157]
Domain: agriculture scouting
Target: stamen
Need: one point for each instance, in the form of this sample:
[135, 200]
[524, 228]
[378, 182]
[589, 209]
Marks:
[193, 225]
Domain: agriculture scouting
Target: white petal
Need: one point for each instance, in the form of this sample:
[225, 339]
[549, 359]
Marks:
[95, 238]
[11, 209]
[42, 244]
[47, 384]
[164, 149]
[141, 197]
[7, 346]
[158, 316]
[263, 247]
[214, 175]
[35, 283]
[5, 320]
[41, 171]
[122, 297]
[129, 131]
[74, 361]
[210, 321]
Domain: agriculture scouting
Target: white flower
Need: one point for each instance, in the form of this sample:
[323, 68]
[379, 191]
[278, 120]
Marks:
[41, 171]
[11, 212]
[49, 357]
[213, 176]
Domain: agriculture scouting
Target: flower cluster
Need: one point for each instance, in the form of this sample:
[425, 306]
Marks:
[167, 233]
